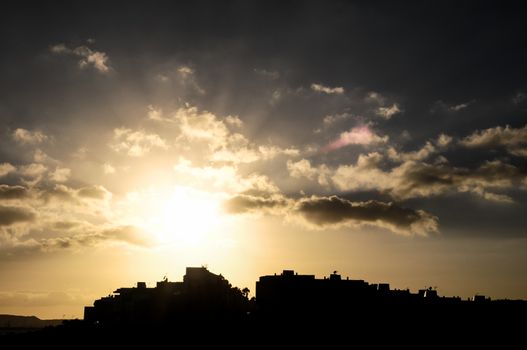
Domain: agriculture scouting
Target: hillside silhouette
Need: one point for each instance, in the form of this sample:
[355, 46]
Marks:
[18, 324]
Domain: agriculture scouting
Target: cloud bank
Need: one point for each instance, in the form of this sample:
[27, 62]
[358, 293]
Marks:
[333, 212]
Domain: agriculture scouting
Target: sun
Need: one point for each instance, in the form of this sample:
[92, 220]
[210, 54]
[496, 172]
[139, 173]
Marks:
[188, 215]
[178, 214]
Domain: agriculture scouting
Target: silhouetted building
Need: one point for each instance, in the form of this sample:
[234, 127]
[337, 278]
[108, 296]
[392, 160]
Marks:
[303, 296]
[292, 299]
[201, 296]
[290, 293]
[480, 298]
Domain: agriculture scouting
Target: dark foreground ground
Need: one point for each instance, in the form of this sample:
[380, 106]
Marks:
[395, 328]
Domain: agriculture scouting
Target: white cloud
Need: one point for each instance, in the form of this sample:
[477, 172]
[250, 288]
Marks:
[40, 156]
[381, 105]
[185, 71]
[364, 175]
[6, 168]
[234, 120]
[418, 179]
[326, 89]
[250, 153]
[512, 139]
[80, 153]
[375, 97]
[188, 78]
[269, 74]
[24, 136]
[33, 170]
[335, 118]
[59, 48]
[88, 57]
[225, 178]
[200, 125]
[136, 143]
[60, 174]
[201, 129]
[497, 136]
[154, 113]
[426, 151]
[270, 152]
[303, 168]
[413, 176]
[459, 107]
[97, 59]
[445, 107]
[108, 168]
[388, 112]
[359, 135]
[444, 140]
[235, 155]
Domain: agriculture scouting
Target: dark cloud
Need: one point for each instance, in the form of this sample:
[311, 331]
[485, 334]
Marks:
[128, 234]
[13, 215]
[59, 193]
[76, 236]
[67, 219]
[65, 225]
[62, 193]
[93, 192]
[12, 192]
[333, 211]
[422, 179]
[248, 203]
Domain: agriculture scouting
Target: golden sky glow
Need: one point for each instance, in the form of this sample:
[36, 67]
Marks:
[253, 142]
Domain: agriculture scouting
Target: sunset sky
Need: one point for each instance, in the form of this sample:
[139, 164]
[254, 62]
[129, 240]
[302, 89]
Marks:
[386, 141]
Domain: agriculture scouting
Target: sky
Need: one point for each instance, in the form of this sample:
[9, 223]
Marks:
[387, 141]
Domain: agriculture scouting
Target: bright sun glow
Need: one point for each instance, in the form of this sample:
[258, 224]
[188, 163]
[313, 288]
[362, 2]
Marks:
[177, 214]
